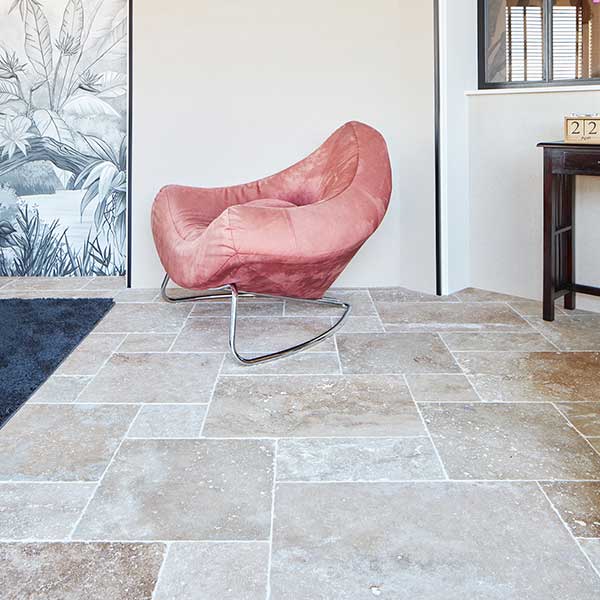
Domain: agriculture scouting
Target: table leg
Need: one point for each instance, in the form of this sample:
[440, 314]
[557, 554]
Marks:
[569, 200]
[549, 245]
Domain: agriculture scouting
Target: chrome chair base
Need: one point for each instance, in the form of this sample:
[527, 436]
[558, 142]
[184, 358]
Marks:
[231, 292]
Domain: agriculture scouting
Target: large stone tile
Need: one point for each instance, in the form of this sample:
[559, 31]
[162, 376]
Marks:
[211, 334]
[90, 355]
[41, 510]
[592, 550]
[366, 459]
[67, 442]
[102, 571]
[144, 318]
[136, 295]
[396, 295]
[246, 308]
[533, 376]
[509, 441]
[47, 283]
[147, 342]
[305, 363]
[585, 416]
[107, 283]
[452, 317]
[184, 490]
[360, 300]
[362, 325]
[477, 295]
[433, 541]
[433, 387]
[492, 341]
[61, 389]
[394, 353]
[155, 377]
[168, 421]
[571, 334]
[312, 406]
[578, 505]
[532, 308]
[220, 570]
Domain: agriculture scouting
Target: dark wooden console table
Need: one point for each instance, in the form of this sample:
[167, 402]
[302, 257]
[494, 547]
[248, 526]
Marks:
[562, 162]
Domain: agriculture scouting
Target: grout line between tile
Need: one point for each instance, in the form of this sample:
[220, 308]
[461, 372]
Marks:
[273, 491]
[576, 540]
[161, 569]
[426, 429]
[110, 462]
[595, 450]
[210, 399]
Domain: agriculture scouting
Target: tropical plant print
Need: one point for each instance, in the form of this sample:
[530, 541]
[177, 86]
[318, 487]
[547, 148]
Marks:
[63, 137]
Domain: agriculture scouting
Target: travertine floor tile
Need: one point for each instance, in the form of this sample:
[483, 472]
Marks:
[136, 295]
[578, 505]
[571, 334]
[531, 308]
[144, 318]
[168, 421]
[246, 308]
[312, 406]
[211, 334]
[362, 305]
[452, 317]
[433, 387]
[355, 324]
[47, 283]
[28, 294]
[394, 353]
[41, 510]
[509, 441]
[592, 549]
[201, 571]
[477, 295]
[366, 459]
[533, 376]
[184, 490]
[107, 283]
[435, 541]
[585, 416]
[492, 341]
[67, 442]
[305, 363]
[396, 295]
[99, 571]
[155, 377]
[60, 389]
[90, 355]
[147, 342]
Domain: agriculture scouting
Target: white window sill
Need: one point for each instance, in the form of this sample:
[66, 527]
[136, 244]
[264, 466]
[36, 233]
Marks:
[557, 89]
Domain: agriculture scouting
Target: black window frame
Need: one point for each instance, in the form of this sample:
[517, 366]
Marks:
[548, 57]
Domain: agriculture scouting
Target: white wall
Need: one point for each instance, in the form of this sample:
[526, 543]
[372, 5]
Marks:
[227, 91]
[506, 190]
[458, 72]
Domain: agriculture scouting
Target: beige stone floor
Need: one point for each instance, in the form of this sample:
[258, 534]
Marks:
[435, 449]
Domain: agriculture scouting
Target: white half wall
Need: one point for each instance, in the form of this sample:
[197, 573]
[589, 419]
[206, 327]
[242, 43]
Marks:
[506, 191]
[227, 91]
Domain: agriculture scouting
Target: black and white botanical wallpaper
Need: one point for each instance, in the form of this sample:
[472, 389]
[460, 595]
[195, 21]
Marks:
[63, 137]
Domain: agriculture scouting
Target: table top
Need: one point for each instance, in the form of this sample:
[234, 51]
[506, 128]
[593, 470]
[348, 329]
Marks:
[568, 145]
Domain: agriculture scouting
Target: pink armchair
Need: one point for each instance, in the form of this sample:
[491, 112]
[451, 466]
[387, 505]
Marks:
[288, 235]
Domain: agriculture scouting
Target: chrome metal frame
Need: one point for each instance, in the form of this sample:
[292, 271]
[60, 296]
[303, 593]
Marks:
[231, 292]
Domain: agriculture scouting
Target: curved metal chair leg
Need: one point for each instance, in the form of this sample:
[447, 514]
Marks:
[287, 351]
[231, 292]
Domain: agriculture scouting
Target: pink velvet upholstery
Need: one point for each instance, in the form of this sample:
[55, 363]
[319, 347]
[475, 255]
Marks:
[290, 234]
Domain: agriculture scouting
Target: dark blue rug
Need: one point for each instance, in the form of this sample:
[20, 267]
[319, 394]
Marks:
[35, 337]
